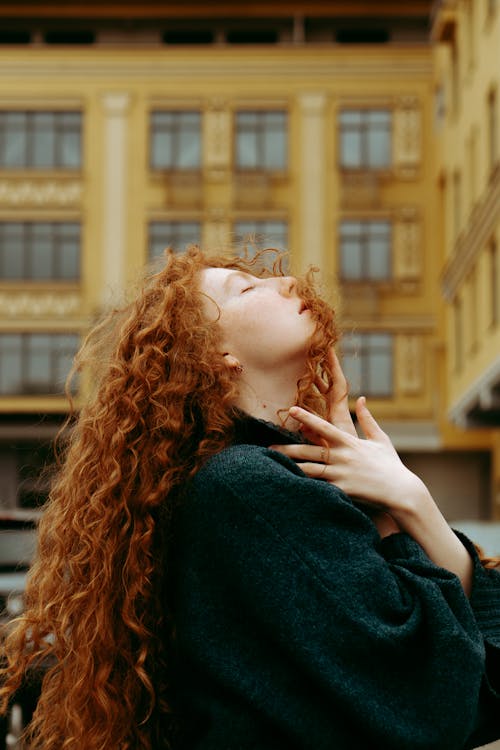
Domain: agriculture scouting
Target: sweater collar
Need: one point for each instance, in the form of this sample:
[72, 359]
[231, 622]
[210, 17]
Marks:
[251, 431]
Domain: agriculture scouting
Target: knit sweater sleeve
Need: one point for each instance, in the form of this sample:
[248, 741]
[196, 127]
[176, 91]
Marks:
[290, 601]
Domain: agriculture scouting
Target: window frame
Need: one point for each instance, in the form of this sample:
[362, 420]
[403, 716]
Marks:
[365, 237]
[362, 351]
[260, 132]
[175, 134]
[363, 129]
[25, 349]
[29, 131]
[152, 256]
[28, 237]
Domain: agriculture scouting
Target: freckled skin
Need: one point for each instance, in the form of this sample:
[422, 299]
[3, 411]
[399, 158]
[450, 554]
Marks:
[262, 320]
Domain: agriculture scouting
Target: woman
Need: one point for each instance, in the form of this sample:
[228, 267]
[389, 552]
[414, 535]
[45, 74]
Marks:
[203, 581]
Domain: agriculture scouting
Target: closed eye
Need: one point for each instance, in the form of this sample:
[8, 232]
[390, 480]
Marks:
[247, 289]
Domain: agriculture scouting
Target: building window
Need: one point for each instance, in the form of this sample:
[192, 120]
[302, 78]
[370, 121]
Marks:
[365, 250]
[35, 363]
[365, 138]
[174, 234]
[367, 361]
[39, 251]
[494, 282]
[262, 234]
[40, 140]
[493, 125]
[175, 140]
[261, 140]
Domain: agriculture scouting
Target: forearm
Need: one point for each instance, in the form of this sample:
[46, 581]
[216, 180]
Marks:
[421, 519]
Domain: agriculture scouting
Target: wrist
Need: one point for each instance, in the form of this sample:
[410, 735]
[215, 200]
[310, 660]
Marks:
[414, 503]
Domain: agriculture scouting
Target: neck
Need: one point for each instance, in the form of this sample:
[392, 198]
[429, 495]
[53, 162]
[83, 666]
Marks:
[269, 396]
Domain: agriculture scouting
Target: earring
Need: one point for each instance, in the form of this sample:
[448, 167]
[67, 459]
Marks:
[238, 369]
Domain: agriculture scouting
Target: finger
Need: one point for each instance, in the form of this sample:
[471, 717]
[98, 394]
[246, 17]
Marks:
[316, 471]
[319, 426]
[368, 423]
[338, 402]
[303, 452]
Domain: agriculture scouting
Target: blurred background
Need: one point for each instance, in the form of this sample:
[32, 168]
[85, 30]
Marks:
[362, 136]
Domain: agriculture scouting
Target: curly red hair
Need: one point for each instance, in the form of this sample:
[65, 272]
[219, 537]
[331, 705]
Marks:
[161, 402]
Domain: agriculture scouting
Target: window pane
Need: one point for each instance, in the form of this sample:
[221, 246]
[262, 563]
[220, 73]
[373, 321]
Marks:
[12, 251]
[351, 364]
[351, 149]
[10, 363]
[70, 150]
[161, 150]
[175, 140]
[263, 233]
[246, 150]
[43, 135]
[42, 258]
[275, 150]
[15, 139]
[188, 155]
[378, 260]
[351, 260]
[69, 252]
[66, 347]
[380, 381]
[379, 152]
[175, 234]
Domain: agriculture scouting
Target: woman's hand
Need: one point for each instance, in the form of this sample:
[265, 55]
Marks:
[371, 470]
[339, 415]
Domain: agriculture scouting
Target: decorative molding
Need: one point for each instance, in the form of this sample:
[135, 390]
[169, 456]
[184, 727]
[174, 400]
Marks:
[407, 137]
[217, 137]
[27, 193]
[360, 190]
[216, 231]
[407, 245]
[409, 363]
[471, 241]
[36, 304]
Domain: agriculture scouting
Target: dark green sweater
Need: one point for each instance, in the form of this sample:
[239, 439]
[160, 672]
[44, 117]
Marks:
[298, 627]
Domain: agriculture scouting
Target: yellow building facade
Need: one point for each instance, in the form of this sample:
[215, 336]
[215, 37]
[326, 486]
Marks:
[111, 151]
[467, 80]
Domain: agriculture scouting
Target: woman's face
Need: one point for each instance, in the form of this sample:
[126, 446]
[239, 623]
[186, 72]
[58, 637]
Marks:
[264, 323]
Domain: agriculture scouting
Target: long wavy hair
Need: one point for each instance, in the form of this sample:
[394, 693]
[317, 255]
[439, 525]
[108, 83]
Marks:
[160, 402]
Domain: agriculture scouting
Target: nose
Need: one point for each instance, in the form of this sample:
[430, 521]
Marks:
[288, 285]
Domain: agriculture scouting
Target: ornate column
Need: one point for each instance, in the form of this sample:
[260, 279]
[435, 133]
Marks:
[114, 192]
[312, 177]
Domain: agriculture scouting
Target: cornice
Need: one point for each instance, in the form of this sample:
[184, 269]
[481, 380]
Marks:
[475, 392]
[285, 63]
[472, 240]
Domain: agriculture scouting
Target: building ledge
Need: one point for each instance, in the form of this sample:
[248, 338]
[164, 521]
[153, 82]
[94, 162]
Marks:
[471, 241]
[479, 406]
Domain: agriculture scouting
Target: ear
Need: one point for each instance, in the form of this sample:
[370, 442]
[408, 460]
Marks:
[232, 363]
